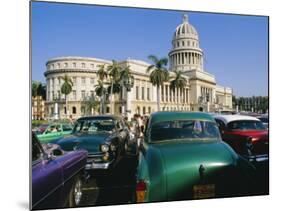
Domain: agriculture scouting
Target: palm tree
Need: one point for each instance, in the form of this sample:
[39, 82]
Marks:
[159, 74]
[100, 89]
[35, 85]
[114, 71]
[178, 82]
[126, 81]
[66, 88]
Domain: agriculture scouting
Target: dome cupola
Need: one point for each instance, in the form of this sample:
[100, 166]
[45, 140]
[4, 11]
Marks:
[186, 53]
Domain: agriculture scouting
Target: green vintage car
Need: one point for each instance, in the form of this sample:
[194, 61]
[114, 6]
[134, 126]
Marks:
[183, 157]
[55, 131]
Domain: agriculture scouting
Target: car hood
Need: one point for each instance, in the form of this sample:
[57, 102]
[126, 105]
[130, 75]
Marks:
[91, 142]
[182, 162]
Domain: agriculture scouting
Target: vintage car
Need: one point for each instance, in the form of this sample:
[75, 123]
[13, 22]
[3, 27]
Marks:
[245, 134]
[182, 156]
[105, 137]
[56, 176]
[55, 131]
[264, 119]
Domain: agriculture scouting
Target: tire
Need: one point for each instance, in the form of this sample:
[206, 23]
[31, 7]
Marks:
[75, 195]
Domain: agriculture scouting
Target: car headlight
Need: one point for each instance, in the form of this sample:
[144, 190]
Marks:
[104, 148]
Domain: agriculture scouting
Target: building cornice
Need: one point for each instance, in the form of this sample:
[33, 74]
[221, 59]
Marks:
[69, 70]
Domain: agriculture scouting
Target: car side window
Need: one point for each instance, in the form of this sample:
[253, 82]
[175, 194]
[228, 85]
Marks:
[220, 124]
[66, 128]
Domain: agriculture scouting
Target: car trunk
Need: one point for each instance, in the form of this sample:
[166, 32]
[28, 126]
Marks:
[199, 170]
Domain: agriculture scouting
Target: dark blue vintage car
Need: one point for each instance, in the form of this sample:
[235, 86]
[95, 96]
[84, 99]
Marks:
[105, 137]
[56, 176]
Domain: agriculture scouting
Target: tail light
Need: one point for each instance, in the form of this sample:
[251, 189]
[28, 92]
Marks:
[140, 191]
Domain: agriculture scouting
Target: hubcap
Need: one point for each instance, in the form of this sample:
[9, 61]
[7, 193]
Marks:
[78, 192]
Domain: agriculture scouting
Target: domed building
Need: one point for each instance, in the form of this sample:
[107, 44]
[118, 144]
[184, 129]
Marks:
[201, 93]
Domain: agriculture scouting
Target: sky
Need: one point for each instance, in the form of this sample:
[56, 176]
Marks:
[235, 46]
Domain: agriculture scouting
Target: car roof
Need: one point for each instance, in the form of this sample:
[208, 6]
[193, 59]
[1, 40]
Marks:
[99, 117]
[163, 116]
[229, 118]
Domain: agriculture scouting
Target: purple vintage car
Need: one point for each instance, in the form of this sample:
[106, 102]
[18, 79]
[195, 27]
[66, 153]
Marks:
[56, 176]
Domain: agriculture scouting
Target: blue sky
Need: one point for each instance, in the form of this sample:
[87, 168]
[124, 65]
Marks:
[235, 47]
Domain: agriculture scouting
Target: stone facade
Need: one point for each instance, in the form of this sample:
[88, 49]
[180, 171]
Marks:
[201, 92]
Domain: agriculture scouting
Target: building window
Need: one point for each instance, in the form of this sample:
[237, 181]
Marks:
[52, 110]
[83, 94]
[83, 65]
[74, 94]
[73, 110]
[74, 64]
[74, 81]
[137, 92]
[142, 93]
[59, 95]
[53, 95]
[83, 80]
[92, 94]
[92, 81]
[65, 65]
[188, 43]
[53, 66]
[143, 111]
[107, 109]
[64, 110]
[149, 110]
[162, 93]
[178, 43]
[182, 43]
[58, 65]
[148, 94]
[193, 44]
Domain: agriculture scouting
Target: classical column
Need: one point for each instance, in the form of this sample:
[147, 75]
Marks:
[168, 89]
[129, 112]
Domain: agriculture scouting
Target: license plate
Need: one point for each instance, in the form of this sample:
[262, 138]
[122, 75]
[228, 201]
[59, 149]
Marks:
[203, 191]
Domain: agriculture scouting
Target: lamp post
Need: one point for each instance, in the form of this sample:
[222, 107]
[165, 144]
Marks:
[128, 83]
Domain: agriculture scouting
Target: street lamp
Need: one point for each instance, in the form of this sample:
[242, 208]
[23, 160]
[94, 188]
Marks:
[128, 83]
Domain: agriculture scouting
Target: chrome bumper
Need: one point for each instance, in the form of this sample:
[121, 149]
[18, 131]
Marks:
[258, 158]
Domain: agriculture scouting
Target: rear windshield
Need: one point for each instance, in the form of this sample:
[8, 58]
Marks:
[246, 125]
[184, 129]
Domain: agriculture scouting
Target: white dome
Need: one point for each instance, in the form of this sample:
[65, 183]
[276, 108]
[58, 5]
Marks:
[185, 29]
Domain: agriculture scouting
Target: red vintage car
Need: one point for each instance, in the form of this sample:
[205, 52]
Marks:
[245, 134]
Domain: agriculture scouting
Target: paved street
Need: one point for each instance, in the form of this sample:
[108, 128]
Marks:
[114, 188]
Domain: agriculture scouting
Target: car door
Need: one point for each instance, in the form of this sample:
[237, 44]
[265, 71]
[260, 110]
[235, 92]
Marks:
[47, 180]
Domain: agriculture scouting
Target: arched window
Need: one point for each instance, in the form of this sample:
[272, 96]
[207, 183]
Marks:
[143, 111]
[107, 109]
[73, 110]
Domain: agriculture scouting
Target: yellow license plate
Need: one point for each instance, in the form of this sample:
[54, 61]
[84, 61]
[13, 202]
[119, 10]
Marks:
[203, 191]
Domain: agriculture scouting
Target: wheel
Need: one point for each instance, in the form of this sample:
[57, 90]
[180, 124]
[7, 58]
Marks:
[75, 195]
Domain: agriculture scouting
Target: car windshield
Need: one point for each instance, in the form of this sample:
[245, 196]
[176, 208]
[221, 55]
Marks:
[263, 119]
[194, 130]
[246, 125]
[94, 125]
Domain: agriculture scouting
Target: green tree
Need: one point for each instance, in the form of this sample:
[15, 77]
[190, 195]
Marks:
[178, 82]
[158, 74]
[126, 80]
[114, 71]
[66, 89]
[100, 88]
[90, 104]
